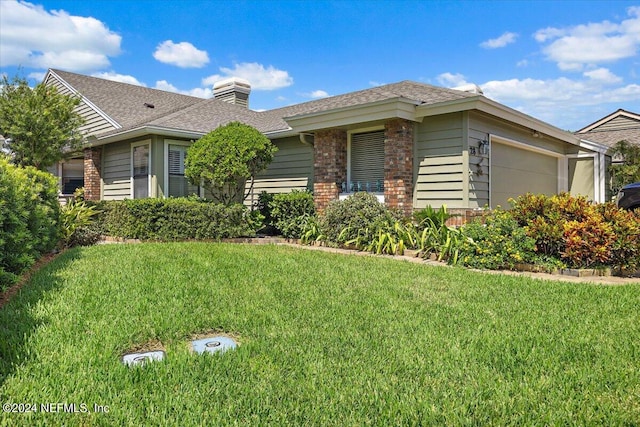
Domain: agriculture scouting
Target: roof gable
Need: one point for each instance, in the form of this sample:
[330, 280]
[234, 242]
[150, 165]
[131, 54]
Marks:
[617, 120]
[123, 103]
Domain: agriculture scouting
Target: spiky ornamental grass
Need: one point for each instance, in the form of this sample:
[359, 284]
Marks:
[325, 339]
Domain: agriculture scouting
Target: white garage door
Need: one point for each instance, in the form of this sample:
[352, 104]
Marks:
[515, 171]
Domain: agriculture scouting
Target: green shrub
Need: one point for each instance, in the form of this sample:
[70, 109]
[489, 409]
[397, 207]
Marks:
[76, 218]
[174, 219]
[384, 235]
[430, 217]
[498, 243]
[342, 220]
[263, 206]
[29, 218]
[291, 211]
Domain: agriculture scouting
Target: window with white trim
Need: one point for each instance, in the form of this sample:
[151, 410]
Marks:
[72, 175]
[366, 171]
[140, 155]
[179, 185]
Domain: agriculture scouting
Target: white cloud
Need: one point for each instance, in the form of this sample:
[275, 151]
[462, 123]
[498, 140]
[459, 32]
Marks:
[30, 36]
[318, 94]
[122, 78]
[523, 63]
[451, 80]
[197, 92]
[561, 100]
[573, 48]
[603, 75]
[375, 83]
[261, 78]
[183, 54]
[37, 76]
[502, 41]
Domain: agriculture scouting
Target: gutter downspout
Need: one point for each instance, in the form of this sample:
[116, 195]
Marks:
[305, 141]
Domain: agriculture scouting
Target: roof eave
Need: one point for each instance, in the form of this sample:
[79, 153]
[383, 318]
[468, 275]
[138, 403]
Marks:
[94, 141]
[594, 146]
[354, 114]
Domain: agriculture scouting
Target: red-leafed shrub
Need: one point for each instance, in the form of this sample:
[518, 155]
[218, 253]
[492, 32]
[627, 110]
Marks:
[625, 225]
[587, 243]
[579, 232]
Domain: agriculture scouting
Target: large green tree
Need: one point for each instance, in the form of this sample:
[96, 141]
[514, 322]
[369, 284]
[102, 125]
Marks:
[40, 125]
[226, 158]
[629, 170]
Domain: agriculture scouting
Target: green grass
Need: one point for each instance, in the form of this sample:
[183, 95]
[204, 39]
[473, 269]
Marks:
[326, 339]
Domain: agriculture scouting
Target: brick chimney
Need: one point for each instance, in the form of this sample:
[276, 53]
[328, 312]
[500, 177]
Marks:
[234, 91]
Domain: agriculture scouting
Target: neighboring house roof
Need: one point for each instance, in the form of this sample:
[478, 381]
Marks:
[617, 126]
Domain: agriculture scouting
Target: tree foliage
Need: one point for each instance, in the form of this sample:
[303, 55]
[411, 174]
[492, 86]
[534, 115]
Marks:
[226, 158]
[40, 124]
[628, 171]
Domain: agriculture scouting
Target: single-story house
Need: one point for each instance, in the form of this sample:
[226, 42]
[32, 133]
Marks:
[410, 143]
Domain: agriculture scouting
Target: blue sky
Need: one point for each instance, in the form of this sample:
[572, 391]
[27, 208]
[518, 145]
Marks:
[566, 62]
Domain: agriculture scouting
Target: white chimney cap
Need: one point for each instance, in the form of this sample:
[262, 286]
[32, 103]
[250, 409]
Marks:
[471, 88]
[232, 82]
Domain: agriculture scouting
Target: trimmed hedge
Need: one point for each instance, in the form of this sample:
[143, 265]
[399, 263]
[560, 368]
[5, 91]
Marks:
[290, 212]
[345, 220]
[173, 219]
[29, 218]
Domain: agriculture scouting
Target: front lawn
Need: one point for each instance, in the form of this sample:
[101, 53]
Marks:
[325, 339]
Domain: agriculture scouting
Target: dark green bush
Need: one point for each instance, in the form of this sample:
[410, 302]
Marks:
[173, 219]
[29, 218]
[290, 212]
[496, 242]
[345, 220]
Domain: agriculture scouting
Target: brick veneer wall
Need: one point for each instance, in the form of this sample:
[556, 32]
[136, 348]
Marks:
[330, 165]
[92, 173]
[398, 164]
[464, 216]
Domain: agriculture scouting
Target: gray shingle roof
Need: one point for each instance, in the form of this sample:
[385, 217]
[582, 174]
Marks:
[125, 104]
[610, 137]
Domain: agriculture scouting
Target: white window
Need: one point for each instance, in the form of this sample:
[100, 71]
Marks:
[179, 185]
[140, 175]
[366, 163]
[72, 175]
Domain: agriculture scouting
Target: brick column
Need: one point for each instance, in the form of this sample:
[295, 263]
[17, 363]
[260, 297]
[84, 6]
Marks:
[330, 165]
[92, 173]
[398, 164]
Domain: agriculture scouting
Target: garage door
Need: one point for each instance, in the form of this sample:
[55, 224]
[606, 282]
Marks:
[515, 171]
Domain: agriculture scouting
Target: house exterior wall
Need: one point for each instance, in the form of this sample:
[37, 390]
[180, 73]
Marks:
[398, 164]
[618, 123]
[521, 177]
[92, 173]
[116, 169]
[291, 169]
[439, 171]
[581, 172]
[330, 165]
